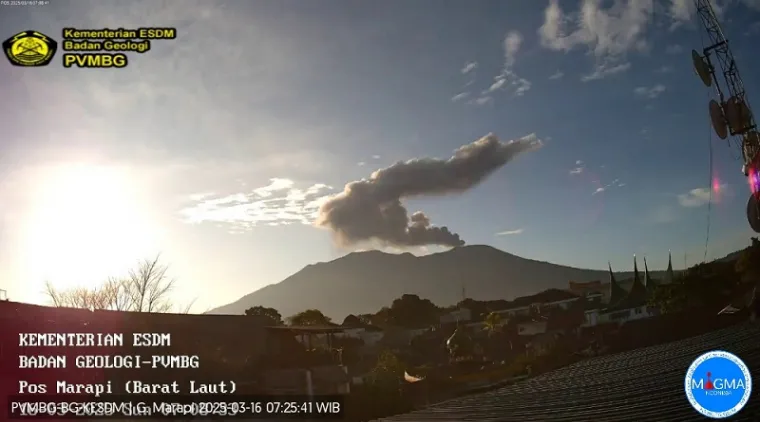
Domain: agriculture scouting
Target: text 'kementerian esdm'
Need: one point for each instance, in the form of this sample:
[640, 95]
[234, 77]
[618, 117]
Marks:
[108, 48]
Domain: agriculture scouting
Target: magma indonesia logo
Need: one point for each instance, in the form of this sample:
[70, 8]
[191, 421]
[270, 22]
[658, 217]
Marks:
[718, 384]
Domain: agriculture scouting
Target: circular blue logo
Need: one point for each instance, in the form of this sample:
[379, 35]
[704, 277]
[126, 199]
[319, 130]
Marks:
[718, 384]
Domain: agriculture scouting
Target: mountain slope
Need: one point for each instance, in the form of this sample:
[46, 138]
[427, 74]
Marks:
[364, 282]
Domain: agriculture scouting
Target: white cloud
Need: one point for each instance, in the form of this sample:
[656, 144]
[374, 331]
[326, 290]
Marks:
[579, 167]
[522, 86]
[480, 101]
[607, 34]
[469, 67]
[557, 75]
[683, 11]
[275, 185]
[361, 164]
[695, 197]
[511, 44]
[680, 12]
[700, 196]
[614, 184]
[510, 232]
[664, 69]
[460, 96]
[375, 157]
[279, 203]
[603, 70]
[649, 92]
[497, 85]
[200, 196]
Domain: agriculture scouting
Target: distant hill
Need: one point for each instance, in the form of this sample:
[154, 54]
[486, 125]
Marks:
[364, 282]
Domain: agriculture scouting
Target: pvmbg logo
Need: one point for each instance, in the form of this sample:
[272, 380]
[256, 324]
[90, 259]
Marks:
[718, 384]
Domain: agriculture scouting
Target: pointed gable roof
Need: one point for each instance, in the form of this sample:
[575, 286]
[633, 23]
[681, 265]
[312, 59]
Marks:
[649, 282]
[617, 293]
[637, 296]
[669, 272]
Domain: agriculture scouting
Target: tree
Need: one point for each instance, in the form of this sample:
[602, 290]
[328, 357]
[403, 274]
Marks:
[389, 368]
[263, 311]
[492, 322]
[383, 317]
[708, 284]
[146, 288]
[410, 311]
[366, 319]
[748, 264]
[310, 317]
[352, 321]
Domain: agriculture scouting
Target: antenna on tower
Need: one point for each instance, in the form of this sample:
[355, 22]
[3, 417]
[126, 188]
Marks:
[733, 116]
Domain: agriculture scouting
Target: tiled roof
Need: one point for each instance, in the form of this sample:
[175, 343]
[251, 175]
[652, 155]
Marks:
[639, 385]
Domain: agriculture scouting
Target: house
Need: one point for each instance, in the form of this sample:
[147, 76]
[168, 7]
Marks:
[590, 289]
[546, 300]
[628, 305]
[634, 305]
[532, 326]
[461, 315]
[369, 334]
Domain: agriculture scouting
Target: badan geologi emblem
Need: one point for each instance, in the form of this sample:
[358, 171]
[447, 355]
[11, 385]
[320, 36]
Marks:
[30, 49]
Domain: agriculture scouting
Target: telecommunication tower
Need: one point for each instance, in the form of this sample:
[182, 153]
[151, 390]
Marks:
[731, 115]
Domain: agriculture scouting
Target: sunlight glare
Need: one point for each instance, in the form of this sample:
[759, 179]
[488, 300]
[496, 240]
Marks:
[86, 224]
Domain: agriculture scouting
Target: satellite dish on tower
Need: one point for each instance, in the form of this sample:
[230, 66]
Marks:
[738, 115]
[701, 68]
[718, 120]
[753, 213]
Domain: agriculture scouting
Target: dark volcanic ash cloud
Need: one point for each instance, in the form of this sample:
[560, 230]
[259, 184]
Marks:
[372, 209]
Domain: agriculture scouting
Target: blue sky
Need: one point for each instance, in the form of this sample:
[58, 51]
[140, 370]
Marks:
[103, 167]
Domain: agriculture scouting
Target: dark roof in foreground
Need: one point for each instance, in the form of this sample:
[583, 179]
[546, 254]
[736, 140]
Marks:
[640, 385]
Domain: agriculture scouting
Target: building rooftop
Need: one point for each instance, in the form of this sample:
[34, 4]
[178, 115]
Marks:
[309, 329]
[546, 296]
[643, 384]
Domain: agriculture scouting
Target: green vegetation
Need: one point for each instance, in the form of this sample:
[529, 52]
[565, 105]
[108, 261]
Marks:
[712, 284]
[310, 317]
[271, 313]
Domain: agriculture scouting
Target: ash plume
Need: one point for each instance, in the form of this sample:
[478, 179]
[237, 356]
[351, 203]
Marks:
[371, 209]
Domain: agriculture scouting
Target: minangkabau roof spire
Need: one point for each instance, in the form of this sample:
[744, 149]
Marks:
[635, 271]
[669, 272]
[649, 283]
[617, 293]
[646, 273]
